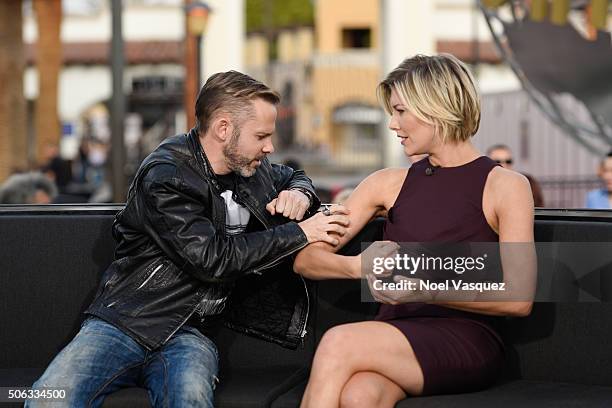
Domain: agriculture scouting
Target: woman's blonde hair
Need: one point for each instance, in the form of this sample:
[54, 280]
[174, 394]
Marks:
[439, 90]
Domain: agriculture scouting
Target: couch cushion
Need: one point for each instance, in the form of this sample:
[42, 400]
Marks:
[128, 397]
[19, 377]
[566, 342]
[524, 394]
[255, 388]
[520, 393]
[291, 398]
[50, 267]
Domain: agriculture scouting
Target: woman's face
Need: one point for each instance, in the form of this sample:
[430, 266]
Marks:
[416, 136]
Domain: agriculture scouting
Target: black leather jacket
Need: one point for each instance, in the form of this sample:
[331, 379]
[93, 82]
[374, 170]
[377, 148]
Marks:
[172, 249]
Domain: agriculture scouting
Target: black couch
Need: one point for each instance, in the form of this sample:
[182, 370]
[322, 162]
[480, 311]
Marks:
[51, 259]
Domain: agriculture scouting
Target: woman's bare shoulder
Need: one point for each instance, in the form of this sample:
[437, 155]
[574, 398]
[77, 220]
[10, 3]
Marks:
[389, 175]
[505, 179]
[506, 183]
[384, 185]
[384, 179]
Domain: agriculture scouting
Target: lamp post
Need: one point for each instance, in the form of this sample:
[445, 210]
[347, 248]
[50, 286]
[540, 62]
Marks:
[118, 157]
[196, 14]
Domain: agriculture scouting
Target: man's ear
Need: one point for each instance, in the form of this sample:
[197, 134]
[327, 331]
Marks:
[221, 128]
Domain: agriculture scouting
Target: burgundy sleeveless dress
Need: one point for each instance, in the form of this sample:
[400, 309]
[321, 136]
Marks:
[458, 351]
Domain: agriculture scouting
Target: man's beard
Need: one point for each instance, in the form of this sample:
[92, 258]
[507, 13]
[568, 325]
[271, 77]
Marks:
[237, 162]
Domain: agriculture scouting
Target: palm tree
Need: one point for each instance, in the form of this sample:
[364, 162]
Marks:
[13, 135]
[49, 62]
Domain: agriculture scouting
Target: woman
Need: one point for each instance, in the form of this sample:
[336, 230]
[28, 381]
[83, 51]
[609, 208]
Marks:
[454, 195]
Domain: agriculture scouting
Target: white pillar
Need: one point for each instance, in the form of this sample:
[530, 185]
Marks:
[223, 42]
[406, 30]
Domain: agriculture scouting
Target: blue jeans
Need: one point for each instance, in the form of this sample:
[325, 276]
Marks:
[101, 359]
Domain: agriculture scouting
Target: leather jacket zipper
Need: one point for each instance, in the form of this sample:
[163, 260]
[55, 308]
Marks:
[304, 331]
[181, 325]
[253, 211]
[276, 260]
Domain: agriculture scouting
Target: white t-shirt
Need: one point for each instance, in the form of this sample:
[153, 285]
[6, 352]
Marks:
[236, 220]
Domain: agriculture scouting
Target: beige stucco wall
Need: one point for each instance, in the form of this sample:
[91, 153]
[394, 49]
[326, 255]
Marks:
[342, 76]
[335, 86]
[333, 15]
[295, 44]
[256, 51]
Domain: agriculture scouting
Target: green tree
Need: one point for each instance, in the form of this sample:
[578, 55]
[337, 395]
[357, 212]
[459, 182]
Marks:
[271, 15]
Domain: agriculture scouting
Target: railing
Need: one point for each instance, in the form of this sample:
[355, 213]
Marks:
[567, 192]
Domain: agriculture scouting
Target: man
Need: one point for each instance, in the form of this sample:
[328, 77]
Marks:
[503, 155]
[601, 197]
[205, 211]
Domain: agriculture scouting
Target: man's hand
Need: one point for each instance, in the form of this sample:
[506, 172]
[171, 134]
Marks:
[327, 226]
[292, 204]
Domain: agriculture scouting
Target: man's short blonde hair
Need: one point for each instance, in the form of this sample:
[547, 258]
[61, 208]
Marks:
[440, 91]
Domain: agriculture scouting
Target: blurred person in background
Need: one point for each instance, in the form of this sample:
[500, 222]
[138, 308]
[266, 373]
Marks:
[82, 165]
[56, 168]
[28, 188]
[97, 155]
[418, 346]
[602, 197]
[502, 154]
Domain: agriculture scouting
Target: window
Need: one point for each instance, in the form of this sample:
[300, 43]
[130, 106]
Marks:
[356, 38]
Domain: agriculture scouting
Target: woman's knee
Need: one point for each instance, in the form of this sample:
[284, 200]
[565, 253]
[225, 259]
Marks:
[370, 389]
[336, 342]
[359, 393]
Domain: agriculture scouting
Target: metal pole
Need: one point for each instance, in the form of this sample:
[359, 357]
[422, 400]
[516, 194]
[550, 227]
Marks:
[117, 113]
[200, 54]
[475, 40]
[191, 85]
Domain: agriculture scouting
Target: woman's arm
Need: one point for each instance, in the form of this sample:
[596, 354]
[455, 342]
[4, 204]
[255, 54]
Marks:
[374, 194]
[509, 194]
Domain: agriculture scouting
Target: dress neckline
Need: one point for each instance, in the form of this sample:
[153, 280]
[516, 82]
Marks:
[454, 167]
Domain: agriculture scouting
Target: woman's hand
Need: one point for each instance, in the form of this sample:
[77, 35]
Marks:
[401, 290]
[378, 259]
[362, 264]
